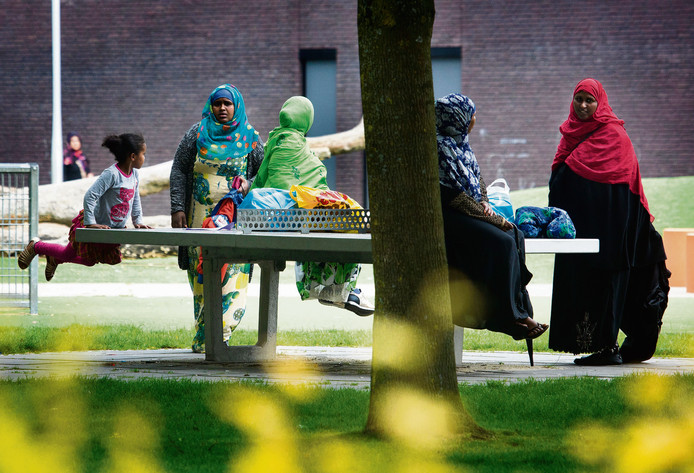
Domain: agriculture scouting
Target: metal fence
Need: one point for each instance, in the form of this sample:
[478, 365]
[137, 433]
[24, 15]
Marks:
[19, 222]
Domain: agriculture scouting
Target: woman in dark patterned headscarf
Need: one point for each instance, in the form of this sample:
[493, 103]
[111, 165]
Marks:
[596, 179]
[485, 252]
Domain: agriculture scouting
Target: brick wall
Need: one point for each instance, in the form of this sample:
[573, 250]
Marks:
[521, 61]
[148, 66]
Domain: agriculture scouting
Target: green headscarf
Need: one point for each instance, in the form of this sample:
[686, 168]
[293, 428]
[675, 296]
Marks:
[288, 159]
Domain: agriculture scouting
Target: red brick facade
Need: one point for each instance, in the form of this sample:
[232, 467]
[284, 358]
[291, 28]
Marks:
[148, 66]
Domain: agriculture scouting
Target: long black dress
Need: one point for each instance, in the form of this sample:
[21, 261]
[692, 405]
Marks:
[487, 272]
[624, 286]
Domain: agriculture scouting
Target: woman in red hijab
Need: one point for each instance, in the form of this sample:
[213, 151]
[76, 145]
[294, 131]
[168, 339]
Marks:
[596, 179]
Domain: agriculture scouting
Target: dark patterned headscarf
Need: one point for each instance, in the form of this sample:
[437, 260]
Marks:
[458, 168]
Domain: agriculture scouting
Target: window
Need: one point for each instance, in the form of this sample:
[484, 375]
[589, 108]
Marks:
[320, 86]
[446, 67]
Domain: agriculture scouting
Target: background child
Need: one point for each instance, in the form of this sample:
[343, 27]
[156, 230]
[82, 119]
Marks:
[108, 203]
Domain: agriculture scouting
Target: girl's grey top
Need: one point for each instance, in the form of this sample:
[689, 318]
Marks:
[113, 199]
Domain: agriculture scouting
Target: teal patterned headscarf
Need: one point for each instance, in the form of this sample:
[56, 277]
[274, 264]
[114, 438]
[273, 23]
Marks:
[233, 139]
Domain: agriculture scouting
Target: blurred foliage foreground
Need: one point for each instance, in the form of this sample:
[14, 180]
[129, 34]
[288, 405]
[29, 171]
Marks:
[635, 424]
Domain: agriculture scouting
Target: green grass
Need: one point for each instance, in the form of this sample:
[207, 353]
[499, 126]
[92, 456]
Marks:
[75, 337]
[564, 425]
[157, 322]
[669, 200]
[162, 270]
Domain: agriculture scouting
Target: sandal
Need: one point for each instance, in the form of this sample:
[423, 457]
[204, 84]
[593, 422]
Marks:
[27, 255]
[51, 266]
[536, 331]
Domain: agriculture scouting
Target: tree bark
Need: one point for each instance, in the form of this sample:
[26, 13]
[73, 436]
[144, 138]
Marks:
[413, 330]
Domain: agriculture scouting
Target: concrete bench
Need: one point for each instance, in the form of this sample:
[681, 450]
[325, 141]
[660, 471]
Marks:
[271, 251]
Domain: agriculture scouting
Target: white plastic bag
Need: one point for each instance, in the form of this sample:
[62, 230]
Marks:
[499, 195]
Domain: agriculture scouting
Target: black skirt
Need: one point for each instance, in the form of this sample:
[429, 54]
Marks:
[487, 274]
[624, 286]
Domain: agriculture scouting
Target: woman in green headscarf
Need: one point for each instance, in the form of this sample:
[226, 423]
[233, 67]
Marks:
[288, 158]
[289, 161]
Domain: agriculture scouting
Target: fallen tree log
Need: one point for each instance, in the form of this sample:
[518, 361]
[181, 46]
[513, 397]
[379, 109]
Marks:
[59, 203]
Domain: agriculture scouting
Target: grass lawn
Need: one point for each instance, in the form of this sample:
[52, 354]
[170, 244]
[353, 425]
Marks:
[565, 426]
[160, 322]
[576, 425]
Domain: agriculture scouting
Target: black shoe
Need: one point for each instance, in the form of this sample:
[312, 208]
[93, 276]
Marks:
[608, 356]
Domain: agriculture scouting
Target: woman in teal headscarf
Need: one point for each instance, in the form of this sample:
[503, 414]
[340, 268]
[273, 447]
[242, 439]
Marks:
[222, 146]
[289, 161]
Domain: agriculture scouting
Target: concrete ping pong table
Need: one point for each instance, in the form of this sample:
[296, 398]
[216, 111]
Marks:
[271, 250]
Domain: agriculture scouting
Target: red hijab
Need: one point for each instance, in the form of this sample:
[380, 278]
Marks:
[599, 148]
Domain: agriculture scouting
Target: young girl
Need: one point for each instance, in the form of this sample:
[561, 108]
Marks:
[108, 203]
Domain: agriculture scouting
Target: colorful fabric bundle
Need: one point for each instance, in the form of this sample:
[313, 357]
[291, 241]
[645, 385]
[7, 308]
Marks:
[267, 198]
[312, 198]
[544, 222]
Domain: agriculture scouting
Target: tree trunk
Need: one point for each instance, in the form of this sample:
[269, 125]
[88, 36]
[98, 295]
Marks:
[413, 355]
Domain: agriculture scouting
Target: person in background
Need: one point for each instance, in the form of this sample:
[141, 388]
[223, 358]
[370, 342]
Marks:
[222, 146]
[110, 202]
[75, 164]
[485, 252]
[596, 179]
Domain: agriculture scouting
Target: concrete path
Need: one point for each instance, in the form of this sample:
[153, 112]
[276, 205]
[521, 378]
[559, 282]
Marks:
[327, 366]
[183, 290]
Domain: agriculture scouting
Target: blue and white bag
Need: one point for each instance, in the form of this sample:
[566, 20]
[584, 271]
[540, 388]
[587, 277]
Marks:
[499, 196]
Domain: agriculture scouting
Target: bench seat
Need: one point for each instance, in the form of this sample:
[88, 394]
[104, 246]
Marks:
[271, 251]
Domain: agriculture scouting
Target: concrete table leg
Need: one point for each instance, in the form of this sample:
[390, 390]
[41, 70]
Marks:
[212, 311]
[458, 344]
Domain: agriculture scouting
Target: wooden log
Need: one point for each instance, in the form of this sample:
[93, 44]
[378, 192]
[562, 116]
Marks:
[338, 143]
[59, 203]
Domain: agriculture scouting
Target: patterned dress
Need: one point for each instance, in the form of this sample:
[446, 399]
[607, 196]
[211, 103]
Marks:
[211, 181]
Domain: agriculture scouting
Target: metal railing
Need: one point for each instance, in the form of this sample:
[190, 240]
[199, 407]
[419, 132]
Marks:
[19, 223]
